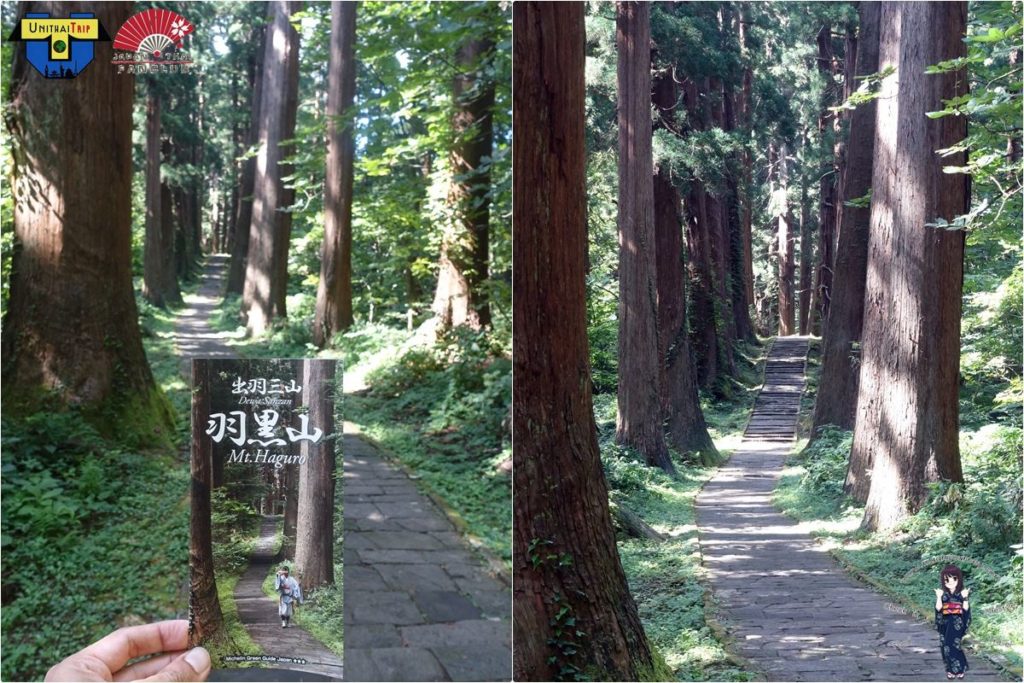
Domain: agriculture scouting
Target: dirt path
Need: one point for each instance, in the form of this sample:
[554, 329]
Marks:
[790, 610]
[420, 604]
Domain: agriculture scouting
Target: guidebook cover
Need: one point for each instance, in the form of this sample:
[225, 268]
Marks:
[265, 546]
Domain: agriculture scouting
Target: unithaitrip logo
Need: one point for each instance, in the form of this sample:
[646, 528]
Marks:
[153, 41]
[59, 48]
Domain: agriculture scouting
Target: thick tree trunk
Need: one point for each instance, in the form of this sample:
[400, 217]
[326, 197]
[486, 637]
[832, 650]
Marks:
[461, 295]
[259, 291]
[747, 199]
[204, 607]
[704, 340]
[639, 416]
[680, 404]
[827, 184]
[840, 362]
[314, 535]
[732, 109]
[787, 310]
[806, 251]
[283, 217]
[561, 508]
[334, 292]
[71, 282]
[152, 256]
[243, 217]
[168, 267]
[907, 412]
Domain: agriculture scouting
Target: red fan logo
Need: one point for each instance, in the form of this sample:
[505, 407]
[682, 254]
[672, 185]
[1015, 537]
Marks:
[152, 32]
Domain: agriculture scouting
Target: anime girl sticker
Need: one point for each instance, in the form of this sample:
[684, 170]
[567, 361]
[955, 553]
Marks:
[952, 618]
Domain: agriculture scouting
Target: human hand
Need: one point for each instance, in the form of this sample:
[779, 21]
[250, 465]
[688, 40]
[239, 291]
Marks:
[966, 592]
[105, 659]
[938, 592]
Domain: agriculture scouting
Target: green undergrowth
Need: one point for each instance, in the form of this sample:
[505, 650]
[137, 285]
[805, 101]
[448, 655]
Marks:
[664, 576]
[443, 411]
[95, 537]
[232, 639]
[95, 532]
[975, 525]
[235, 530]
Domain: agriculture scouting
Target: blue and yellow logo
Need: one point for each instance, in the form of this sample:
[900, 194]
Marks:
[59, 48]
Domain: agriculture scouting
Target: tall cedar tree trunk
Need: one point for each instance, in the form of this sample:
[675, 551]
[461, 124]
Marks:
[806, 247]
[680, 405]
[787, 322]
[168, 267]
[461, 294]
[561, 505]
[292, 476]
[703, 331]
[243, 217]
[907, 413]
[334, 293]
[152, 257]
[839, 351]
[743, 328]
[718, 227]
[268, 197]
[827, 185]
[204, 607]
[747, 198]
[283, 218]
[639, 416]
[71, 281]
[314, 536]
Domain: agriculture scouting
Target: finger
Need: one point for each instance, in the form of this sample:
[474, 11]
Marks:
[194, 665]
[146, 667]
[79, 667]
[116, 649]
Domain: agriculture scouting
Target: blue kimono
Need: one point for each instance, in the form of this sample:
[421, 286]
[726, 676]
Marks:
[951, 622]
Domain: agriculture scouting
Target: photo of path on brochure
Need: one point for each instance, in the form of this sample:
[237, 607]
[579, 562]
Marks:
[265, 538]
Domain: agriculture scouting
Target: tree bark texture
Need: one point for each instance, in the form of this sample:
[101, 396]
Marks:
[334, 292]
[258, 295]
[72, 229]
[840, 363]
[907, 412]
[314, 535]
[639, 417]
[204, 607]
[566, 562]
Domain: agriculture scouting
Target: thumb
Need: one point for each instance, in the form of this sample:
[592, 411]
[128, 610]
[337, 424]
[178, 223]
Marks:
[194, 665]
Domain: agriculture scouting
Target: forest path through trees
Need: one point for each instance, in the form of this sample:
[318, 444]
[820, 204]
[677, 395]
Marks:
[419, 604]
[193, 335]
[790, 610]
[258, 613]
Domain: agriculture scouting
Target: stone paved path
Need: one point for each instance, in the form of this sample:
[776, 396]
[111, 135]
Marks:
[791, 611]
[420, 604]
[258, 613]
[193, 335]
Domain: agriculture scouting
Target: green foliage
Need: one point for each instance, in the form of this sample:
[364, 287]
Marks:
[120, 521]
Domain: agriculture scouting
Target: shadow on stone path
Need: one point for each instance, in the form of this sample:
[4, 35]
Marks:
[258, 613]
[790, 610]
[192, 332]
[420, 604]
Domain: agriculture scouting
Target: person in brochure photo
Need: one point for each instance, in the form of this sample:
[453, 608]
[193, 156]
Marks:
[288, 590]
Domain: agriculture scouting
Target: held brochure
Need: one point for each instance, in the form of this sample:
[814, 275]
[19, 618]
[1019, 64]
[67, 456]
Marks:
[265, 534]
